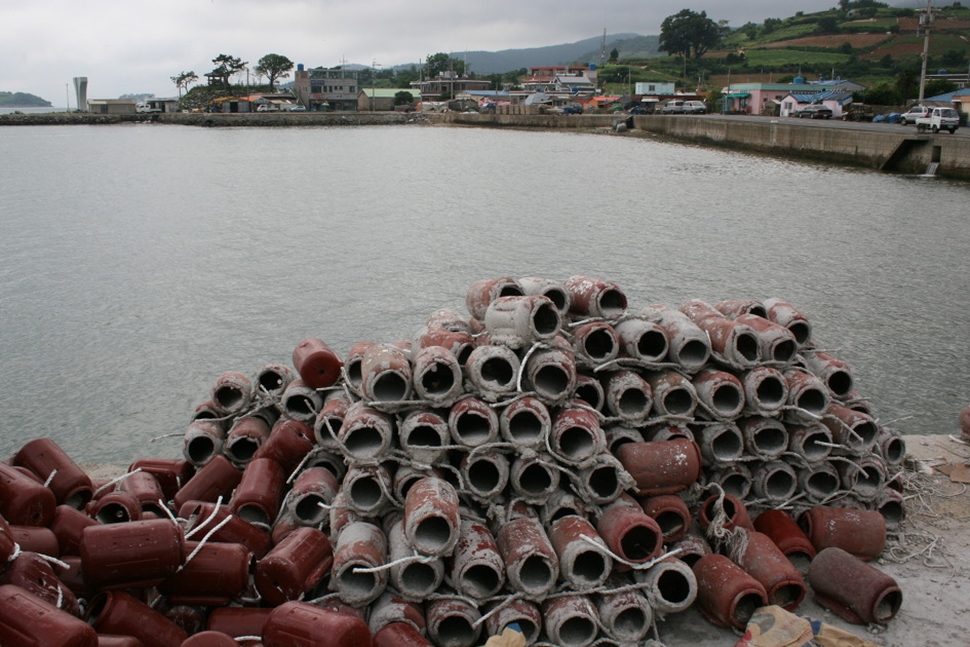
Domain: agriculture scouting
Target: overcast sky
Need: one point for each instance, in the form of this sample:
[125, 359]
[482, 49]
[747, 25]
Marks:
[135, 46]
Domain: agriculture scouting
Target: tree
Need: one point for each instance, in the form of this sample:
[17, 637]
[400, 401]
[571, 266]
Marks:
[182, 81]
[273, 67]
[689, 34]
[403, 98]
[227, 66]
[441, 62]
[614, 56]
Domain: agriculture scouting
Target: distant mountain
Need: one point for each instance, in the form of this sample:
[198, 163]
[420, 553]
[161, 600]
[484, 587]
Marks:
[22, 100]
[582, 52]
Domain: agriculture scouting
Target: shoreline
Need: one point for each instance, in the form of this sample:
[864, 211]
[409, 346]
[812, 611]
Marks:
[892, 151]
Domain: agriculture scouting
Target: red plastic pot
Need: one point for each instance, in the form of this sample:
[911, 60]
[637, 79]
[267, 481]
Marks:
[661, 466]
[258, 496]
[298, 624]
[204, 517]
[171, 473]
[28, 621]
[726, 595]
[216, 574]
[782, 529]
[861, 533]
[400, 634]
[24, 501]
[317, 365]
[131, 555]
[294, 566]
[765, 562]
[218, 478]
[70, 484]
[209, 639]
[238, 621]
[629, 532]
[34, 574]
[116, 612]
[34, 539]
[853, 589]
[288, 444]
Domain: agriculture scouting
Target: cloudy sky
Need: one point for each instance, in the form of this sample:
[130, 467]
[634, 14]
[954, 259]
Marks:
[135, 46]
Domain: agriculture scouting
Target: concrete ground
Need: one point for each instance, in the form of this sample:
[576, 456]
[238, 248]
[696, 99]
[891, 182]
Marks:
[929, 559]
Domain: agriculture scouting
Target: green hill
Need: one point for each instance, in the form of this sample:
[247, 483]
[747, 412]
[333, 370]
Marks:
[22, 100]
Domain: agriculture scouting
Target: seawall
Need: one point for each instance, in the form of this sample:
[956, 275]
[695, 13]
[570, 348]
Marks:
[886, 147]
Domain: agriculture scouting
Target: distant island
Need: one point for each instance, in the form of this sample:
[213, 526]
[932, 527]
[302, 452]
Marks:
[22, 100]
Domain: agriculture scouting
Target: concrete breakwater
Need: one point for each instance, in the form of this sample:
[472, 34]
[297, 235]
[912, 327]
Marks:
[893, 149]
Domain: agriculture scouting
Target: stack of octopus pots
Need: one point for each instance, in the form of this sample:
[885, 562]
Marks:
[555, 459]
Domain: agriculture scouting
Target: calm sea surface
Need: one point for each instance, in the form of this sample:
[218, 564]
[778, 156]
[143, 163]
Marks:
[139, 262]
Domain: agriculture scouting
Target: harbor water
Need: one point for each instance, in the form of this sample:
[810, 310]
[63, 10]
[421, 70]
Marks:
[138, 262]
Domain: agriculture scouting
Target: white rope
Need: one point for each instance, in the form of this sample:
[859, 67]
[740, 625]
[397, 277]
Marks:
[215, 511]
[50, 477]
[114, 481]
[202, 542]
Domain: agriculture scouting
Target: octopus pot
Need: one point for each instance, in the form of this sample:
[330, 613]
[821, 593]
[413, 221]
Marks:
[603, 479]
[785, 314]
[131, 555]
[385, 374]
[208, 639]
[431, 517]
[327, 425]
[720, 443]
[472, 422]
[735, 512]
[260, 491]
[391, 608]
[313, 490]
[400, 634]
[594, 297]
[34, 574]
[661, 467]
[670, 585]
[626, 616]
[477, 567]
[854, 590]
[726, 595]
[735, 343]
[765, 391]
[423, 435]
[671, 514]
[485, 473]
[596, 343]
[629, 533]
[365, 490]
[853, 429]
[808, 397]
[214, 574]
[581, 565]
[366, 433]
[833, 371]
[203, 440]
[299, 624]
[720, 394]
[170, 473]
[525, 422]
[294, 566]
[30, 621]
[272, 378]
[590, 390]
[69, 483]
[576, 436]
[553, 290]
[491, 371]
[288, 444]
[774, 481]
[218, 478]
[766, 438]
[481, 293]
[520, 321]
[300, 401]
[23, 500]
[673, 394]
[570, 621]
[360, 547]
[231, 393]
[453, 623]
[551, 374]
[733, 308]
[524, 613]
[531, 564]
[690, 347]
[318, 366]
[776, 343]
[861, 533]
[437, 376]
[781, 528]
[415, 580]
[115, 507]
[117, 612]
[203, 518]
[765, 562]
[628, 396]
[642, 340]
[535, 478]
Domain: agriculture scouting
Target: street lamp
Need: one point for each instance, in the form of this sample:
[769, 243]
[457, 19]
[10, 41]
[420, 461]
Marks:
[373, 83]
[925, 21]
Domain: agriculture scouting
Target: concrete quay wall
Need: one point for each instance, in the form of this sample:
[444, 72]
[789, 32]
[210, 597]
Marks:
[895, 149]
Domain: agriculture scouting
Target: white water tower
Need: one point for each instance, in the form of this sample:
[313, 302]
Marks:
[81, 90]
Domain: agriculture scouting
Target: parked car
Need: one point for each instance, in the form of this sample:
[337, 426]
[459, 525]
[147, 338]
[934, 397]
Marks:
[695, 108]
[939, 119]
[814, 111]
[298, 108]
[572, 109]
[266, 107]
[914, 113]
[857, 112]
[673, 107]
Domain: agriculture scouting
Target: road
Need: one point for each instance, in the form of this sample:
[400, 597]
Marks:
[963, 131]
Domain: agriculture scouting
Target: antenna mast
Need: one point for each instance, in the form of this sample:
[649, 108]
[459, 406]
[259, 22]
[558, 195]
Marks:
[603, 49]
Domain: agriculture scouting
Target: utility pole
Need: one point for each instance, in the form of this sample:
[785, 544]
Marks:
[925, 21]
